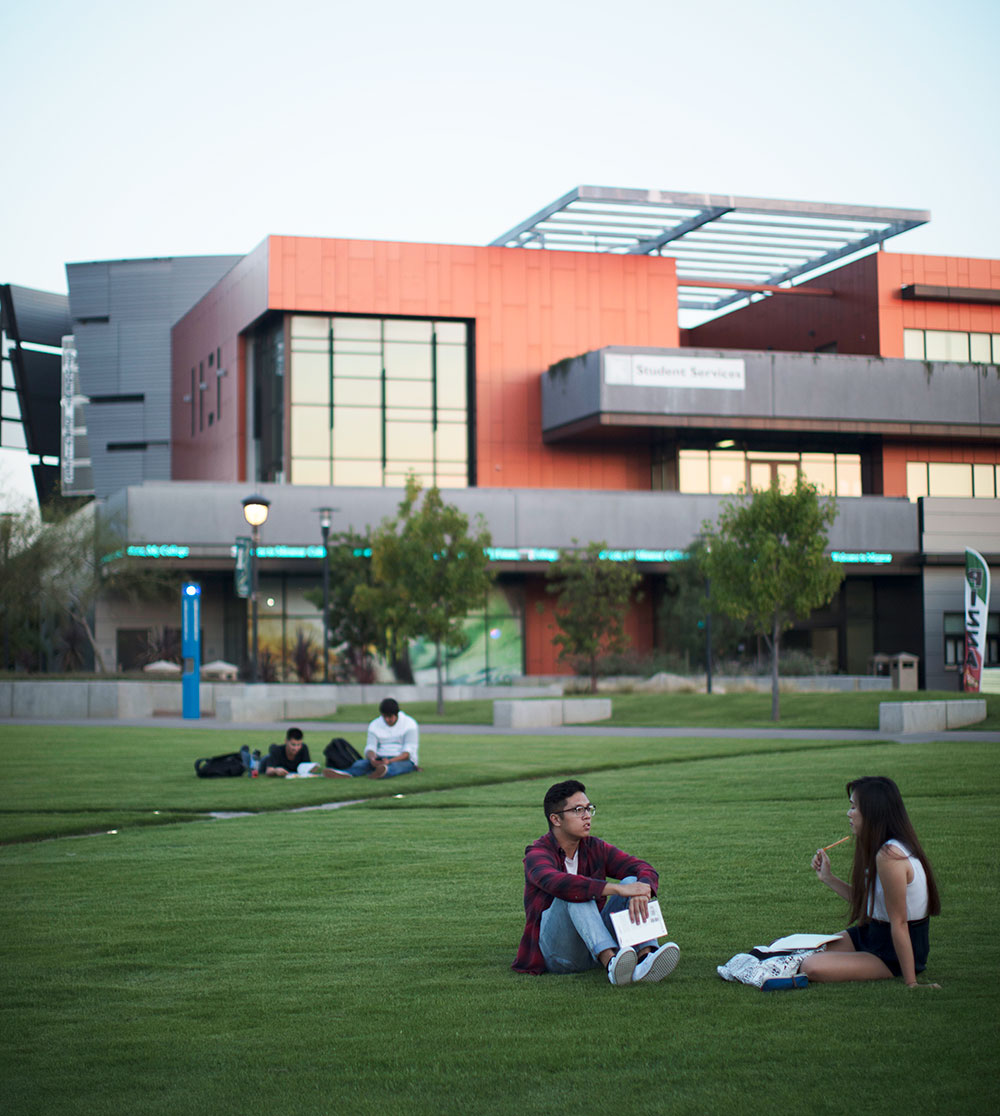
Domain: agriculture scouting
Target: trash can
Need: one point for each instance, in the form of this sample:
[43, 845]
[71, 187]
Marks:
[903, 670]
[878, 665]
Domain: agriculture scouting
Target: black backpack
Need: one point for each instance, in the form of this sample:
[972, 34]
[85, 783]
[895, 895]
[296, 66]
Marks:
[340, 754]
[218, 766]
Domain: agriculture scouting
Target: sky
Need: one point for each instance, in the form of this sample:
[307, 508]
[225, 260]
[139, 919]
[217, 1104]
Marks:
[200, 128]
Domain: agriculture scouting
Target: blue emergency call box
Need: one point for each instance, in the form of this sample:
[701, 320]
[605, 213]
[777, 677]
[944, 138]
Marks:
[191, 649]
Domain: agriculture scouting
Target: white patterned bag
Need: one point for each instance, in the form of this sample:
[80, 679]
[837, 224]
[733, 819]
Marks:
[747, 969]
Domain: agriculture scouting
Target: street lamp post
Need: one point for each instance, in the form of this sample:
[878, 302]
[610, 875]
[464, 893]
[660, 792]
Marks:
[325, 521]
[708, 627]
[255, 513]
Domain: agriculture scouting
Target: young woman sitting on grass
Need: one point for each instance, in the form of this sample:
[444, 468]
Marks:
[892, 893]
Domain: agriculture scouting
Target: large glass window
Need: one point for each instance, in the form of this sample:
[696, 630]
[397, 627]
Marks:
[954, 640]
[376, 398]
[951, 478]
[951, 344]
[723, 471]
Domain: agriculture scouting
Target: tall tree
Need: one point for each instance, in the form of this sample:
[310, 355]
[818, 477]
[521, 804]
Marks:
[592, 596]
[24, 555]
[767, 562]
[429, 571]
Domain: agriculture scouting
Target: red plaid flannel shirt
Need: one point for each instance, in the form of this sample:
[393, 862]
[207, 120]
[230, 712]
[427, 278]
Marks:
[546, 878]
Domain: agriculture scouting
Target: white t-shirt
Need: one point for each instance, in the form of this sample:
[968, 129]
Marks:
[572, 866]
[916, 890]
[390, 740]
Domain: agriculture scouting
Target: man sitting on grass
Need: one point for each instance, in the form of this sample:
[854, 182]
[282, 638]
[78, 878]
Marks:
[391, 747]
[284, 759]
[568, 927]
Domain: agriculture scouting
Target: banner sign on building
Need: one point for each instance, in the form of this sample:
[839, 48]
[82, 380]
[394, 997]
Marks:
[977, 609]
[243, 566]
[76, 476]
[658, 370]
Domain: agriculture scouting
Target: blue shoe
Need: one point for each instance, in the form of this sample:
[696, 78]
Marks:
[245, 757]
[658, 964]
[782, 984]
[622, 966]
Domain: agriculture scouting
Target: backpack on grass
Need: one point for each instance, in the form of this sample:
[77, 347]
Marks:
[340, 754]
[218, 766]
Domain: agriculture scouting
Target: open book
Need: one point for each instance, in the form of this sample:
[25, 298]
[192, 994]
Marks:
[631, 933]
[796, 941]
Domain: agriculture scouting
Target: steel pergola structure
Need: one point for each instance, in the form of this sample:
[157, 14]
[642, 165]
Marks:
[725, 246]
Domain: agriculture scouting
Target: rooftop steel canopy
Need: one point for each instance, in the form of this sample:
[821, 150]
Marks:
[715, 238]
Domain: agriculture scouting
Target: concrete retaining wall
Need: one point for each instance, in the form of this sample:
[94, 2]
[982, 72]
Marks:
[96, 699]
[930, 716]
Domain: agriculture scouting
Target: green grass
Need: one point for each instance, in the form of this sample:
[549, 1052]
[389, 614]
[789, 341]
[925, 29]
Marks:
[94, 779]
[826, 711]
[356, 961]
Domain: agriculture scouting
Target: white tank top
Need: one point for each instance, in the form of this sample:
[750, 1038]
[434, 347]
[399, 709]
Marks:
[916, 891]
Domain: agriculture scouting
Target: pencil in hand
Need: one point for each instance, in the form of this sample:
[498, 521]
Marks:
[826, 848]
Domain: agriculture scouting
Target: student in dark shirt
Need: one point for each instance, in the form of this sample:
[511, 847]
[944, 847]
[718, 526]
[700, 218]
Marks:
[284, 759]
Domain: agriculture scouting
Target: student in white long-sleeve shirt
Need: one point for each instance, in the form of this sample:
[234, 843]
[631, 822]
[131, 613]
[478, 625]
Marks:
[391, 748]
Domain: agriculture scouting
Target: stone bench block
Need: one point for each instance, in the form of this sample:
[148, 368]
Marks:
[544, 713]
[581, 711]
[968, 712]
[929, 716]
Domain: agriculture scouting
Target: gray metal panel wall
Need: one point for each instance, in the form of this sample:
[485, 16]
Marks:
[950, 525]
[784, 386]
[943, 592]
[89, 287]
[130, 354]
[42, 316]
[516, 517]
[97, 354]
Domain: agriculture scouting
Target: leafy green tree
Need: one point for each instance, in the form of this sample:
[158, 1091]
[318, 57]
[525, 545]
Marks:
[428, 572]
[24, 549]
[767, 562]
[86, 558]
[54, 569]
[592, 596]
[353, 632]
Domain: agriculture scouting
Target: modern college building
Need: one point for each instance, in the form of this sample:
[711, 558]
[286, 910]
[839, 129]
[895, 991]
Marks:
[609, 370]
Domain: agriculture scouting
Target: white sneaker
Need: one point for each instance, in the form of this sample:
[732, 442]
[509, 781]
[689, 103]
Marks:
[658, 964]
[621, 966]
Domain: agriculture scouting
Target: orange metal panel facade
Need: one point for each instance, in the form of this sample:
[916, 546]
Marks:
[896, 313]
[530, 308]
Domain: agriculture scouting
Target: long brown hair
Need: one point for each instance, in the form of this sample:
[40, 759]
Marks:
[883, 817]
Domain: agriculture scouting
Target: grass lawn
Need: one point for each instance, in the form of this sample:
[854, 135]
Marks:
[827, 711]
[356, 961]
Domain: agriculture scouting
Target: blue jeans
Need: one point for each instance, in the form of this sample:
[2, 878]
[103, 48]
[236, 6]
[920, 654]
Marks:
[363, 767]
[572, 935]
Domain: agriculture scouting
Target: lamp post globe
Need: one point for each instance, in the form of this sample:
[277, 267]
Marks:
[255, 509]
[325, 522]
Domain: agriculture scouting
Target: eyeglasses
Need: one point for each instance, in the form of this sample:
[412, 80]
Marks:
[579, 811]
